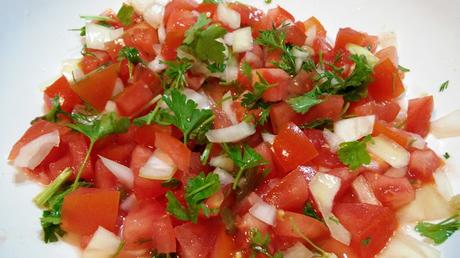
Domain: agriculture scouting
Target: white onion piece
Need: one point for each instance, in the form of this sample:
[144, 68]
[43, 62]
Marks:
[123, 173]
[103, 244]
[223, 162]
[264, 212]
[388, 150]
[442, 182]
[140, 5]
[364, 191]
[388, 39]
[359, 50]
[200, 99]
[156, 65]
[227, 103]
[98, 35]
[403, 246]
[232, 133]
[110, 107]
[225, 178]
[447, 126]
[417, 141]
[162, 33]
[323, 188]
[159, 166]
[298, 251]
[128, 203]
[355, 128]
[153, 15]
[34, 152]
[71, 70]
[429, 204]
[396, 172]
[332, 140]
[242, 40]
[231, 71]
[228, 16]
[228, 39]
[268, 138]
[118, 88]
[311, 35]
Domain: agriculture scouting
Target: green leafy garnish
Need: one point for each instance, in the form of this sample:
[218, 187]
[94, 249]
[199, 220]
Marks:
[245, 158]
[403, 69]
[301, 104]
[268, 1]
[253, 100]
[125, 14]
[274, 39]
[152, 116]
[446, 155]
[206, 152]
[171, 183]
[309, 211]
[318, 124]
[42, 199]
[56, 109]
[82, 31]
[216, 68]
[246, 70]
[197, 190]
[320, 252]
[354, 154]
[131, 54]
[366, 241]
[98, 18]
[444, 86]
[439, 232]
[259, 244]
[174, 75]
[212, 1]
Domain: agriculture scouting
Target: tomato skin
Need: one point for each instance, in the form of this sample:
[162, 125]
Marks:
[118, 152]
[265, 151]
[391, 191]
[310, 227]
[145, 135]
[104, 179]
[279, 80]
[279, 15]
[164, 238]
[326, 158]
[225, 245]
[334, 246]
[346, 176]
[85, 209]
[196, 240]
[97, 88]
[67, 97]
[281, 114]
[423, 163]
[178, 22]
[388, 53]
[295, 34]
[142, 36]
[188, 5]
[348, 35]
[93, 60]
[207, 8]
[419, 115]
[399, 136]
[293, 148]
[330, 108]
[385, 110]
[178, 151]
[133, 98]
[386, 84]
[366, 221]
[252, 17]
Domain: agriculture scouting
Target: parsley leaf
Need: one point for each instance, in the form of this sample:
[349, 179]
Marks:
[192, 121]
[318, 124]
[131, 54]
[53, 113]
[97, 18]
[125, 14]
[439, 232]
[212, 1]
[274, 39]
[216, 68]
[246, 70]
[366, 241]
[309, 211]
[172, 183]
[403, 69]
[197, 190]
[301, 104]
[245, 158]
[259, 244]
[191, 33]
[446, 155]
[444, 86]
[253, 100]
[354, 154]
[175, 73]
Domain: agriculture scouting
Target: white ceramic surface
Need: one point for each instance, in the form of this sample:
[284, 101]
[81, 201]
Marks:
[34, 40]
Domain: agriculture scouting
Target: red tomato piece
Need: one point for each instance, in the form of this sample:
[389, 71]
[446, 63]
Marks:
[295, 34]
[385, 110]
[145, 135]
[207, 8]
[178, 151]
[293, 148]
[133, 98]
[388, 53]
[279, 80]
[142, 73]
[371, 223]
[67, 97]
[419, 115]
[85, 209]
[104, 179]
[301, 83]
[399, 136]
[97, 88]
[225, 245]
[386, 84]
[279, 15]
[188, 5]
[93, 60]
[348, 35]
[142, 36]
[326, 158]
[164, 238]
[330, 108]
[178, 22]
[346, 177]
[315, 25]
[281, 114]
[423, 163]
[251, 16]
[120, 153]
[195, 240]
[333, 246]
[392, 192]
[310, 227]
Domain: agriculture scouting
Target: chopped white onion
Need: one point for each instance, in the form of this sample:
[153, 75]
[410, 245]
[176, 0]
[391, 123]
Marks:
[388, 39]
[447, 126]
[298, 251]
[355, 128]
[118, 88]
[332, 140]
[159, 166]
[396, 172]
[264, 212]
[228, 16]
[157, 65]
[103, 244]
[110, 107]
[359, 50]
[417, 141]
[442, 182]
[153, 15]
[200, 99]
[34, 152]
[225, 178]
[162, 33]
[123, 173]
[71, 70]
[232, 133]
[402, 245]
[227, 103]
[268, 138]
[98, 35]
[364, 191]
[388, 150]
[242, 40]
[228, 39]
[323, 188]
[311, 35]
[429, 204]
[222, 161]
[140, 5]
[231, 71]
[128, 203]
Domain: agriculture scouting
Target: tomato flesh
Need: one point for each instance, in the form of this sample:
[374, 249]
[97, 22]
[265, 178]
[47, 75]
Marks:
[419, 115]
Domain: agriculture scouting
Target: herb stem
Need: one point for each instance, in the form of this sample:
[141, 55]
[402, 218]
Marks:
[83, 164]
[205, 155]
[237, 178]
[42, 198]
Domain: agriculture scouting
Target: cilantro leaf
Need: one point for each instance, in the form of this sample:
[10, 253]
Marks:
[131, 54]
[175, 207]
[186, 116]
[259, 244]
[190, 34]
[354, 154]
[439, 232]
[53, 113]
[301, 104]
[175, 73]
[42, 199]
[252, 100]
[274, 40]
[246, 70]
[318, 124]
[212, 1]
[446, 155]
[125, 14]
[216, 68]
[309, 211]
[366, 241]
[403, 69]
[444, 86]
[97, 18]
[171, 183]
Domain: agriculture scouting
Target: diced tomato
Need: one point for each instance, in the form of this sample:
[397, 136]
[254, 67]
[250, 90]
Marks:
[188, 5]
[293, 148]
[133, 98]
[164, 238]
[371, 226]
[279, 80]
[85, 209]
[67, 97]
[419, 115]
[330, 108]
[196, 240]
[388, 53]
[145, 135]
[120, 153]
[252, 17]
[279, 15]
[177, 23]
[264, 150]
[97, 88]
[281, 114]
[423, 163]
[248, 222]
[393, 192]
[291, 192]
[142, 37]
[103, 178]
[333, 246]
[225, 245]
[310, 227]
[385, 110]
[346, 178]
[348, 35]
[295, 34]
[300, 84]
[399, 136]
[113, 48]
[142, 73]
[178, 151]
[326, 158]
[93, 60]
[207, 8]
[386, 83]
[314, 25]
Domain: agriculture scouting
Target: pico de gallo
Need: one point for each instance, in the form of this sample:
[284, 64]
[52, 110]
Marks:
[219, 130]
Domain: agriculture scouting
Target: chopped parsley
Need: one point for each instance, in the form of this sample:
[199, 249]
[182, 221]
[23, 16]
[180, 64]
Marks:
[53, 113]
[274, 40]
[354, 154]
[318, 124]
[403, 69]
[310, 211]
[444, 86]
[259, 242]
[132, 55]
[175, 74]
[439, 232]
[446, 155]
[97, 18]
[301, 104]
[366, 241]
[246, 70]
[172, 183]
[253, 100]
[125, 14]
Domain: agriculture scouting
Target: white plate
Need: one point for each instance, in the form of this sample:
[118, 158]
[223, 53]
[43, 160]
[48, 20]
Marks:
[35, 40]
